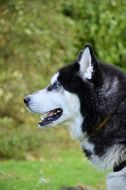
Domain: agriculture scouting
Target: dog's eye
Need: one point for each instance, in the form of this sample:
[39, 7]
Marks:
[54, 86]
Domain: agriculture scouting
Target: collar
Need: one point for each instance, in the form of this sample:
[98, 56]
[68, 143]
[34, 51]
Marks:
[119, 167]
[103, 123]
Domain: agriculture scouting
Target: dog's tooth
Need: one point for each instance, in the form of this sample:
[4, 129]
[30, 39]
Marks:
[41, 117]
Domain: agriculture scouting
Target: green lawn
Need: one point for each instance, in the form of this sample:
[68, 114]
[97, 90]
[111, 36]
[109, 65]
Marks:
[69, 169]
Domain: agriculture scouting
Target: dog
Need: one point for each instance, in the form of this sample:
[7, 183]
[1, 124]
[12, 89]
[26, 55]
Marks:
[90, 95]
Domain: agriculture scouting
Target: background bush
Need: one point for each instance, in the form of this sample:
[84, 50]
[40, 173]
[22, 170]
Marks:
[38, 37]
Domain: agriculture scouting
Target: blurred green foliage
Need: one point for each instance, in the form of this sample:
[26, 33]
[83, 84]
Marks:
[38, 37]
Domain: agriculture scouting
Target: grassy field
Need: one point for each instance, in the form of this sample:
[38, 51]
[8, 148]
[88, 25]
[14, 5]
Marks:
[69, 169]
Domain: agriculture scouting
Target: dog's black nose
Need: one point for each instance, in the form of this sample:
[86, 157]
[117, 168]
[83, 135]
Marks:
[26, 100]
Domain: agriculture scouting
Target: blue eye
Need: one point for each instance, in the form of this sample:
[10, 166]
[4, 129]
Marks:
[54, 86]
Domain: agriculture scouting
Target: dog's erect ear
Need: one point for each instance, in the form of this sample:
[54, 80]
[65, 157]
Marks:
[87, 62]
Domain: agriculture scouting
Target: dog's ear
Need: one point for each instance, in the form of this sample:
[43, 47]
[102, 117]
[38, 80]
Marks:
[87, 62]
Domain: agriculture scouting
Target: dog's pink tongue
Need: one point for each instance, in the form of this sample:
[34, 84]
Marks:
[50, 113]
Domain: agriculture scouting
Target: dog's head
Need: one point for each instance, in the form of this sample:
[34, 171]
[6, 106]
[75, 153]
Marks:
[65, 99]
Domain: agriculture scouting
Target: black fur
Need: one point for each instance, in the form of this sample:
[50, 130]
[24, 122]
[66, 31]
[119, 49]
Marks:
[99, 98]
[120, 166]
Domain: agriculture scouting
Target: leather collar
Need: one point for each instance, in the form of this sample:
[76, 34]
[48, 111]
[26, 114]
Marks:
[103, 123]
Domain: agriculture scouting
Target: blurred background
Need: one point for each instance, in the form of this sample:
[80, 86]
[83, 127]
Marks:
[37, 38]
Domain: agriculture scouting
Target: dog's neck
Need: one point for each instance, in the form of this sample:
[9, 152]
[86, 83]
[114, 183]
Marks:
[75, 127]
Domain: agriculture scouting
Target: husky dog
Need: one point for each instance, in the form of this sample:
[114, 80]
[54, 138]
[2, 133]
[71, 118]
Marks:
[92, 97]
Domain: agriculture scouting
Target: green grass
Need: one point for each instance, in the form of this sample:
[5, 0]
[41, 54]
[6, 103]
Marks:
[69, 169]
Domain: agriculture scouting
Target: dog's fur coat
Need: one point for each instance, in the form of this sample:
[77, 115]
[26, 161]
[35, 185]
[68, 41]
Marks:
[92, 96]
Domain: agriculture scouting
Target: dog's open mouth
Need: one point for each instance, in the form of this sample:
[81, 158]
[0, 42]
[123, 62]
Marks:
[50, 116]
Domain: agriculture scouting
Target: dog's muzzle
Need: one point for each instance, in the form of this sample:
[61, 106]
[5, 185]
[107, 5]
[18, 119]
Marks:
[48, 117]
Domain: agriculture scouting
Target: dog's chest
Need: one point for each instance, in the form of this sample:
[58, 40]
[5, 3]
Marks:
[111, 156]
[89, 150]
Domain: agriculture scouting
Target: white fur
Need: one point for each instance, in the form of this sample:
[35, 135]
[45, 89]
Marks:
[86, 67]
[86, 144]
[75, 127]
[117, 180]
[108, 160]
[113, 156]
